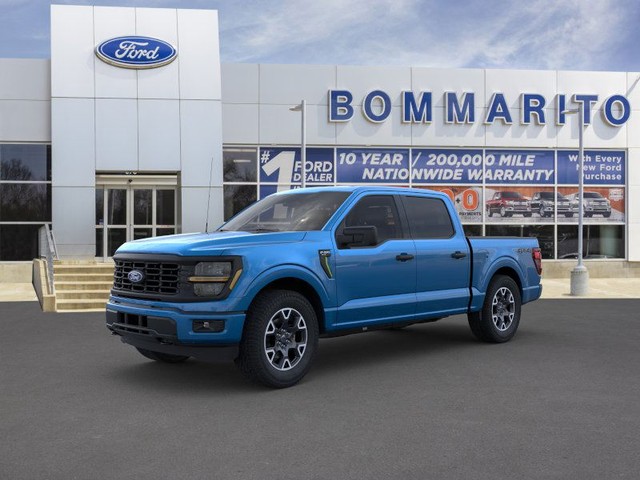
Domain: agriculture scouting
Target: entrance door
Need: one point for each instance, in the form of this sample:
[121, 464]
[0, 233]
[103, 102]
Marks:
[132, 211]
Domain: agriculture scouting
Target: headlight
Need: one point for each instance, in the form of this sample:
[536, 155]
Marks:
[210, 278]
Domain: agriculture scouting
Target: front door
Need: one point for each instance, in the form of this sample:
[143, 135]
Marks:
[132, 211]
[376, 283]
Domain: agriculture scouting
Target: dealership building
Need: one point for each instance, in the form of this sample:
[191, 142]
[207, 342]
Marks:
[103, 150]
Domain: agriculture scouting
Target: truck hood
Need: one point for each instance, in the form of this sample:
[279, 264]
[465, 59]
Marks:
[214, 243]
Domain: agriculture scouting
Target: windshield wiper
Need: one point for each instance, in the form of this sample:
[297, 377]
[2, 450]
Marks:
[261, 230]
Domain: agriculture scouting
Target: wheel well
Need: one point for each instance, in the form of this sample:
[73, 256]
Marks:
[303, 288]
[510, 272]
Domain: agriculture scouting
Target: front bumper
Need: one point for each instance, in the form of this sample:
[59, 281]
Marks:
[166, 327]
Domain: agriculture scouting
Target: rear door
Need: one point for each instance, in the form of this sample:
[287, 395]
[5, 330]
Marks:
[376, 283]
[442, 257]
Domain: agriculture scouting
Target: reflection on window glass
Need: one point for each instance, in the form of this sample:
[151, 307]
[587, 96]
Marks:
[18, 242]
[25, 202]
[142, 206]
[140, 233]
[472, 230]
[99, 242]
[239, 164]
[100, 207]
[25, 162]
[599, 241]
[165, 207]
[117, 206]
[165, 231]
[544, 234]
[115, 238]
[236, 198]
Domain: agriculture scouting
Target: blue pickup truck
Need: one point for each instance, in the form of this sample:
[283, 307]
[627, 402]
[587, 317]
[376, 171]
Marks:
[316, 262]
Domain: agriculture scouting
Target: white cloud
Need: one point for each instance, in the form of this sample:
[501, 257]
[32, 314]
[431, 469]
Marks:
[547, 34]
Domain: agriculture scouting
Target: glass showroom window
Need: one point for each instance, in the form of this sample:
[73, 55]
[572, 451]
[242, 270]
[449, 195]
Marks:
[25, 199]
[240, 174]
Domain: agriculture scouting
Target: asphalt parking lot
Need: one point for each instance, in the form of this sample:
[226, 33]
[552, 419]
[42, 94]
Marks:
[562, 400]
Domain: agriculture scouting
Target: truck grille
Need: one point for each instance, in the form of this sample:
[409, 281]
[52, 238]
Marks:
[158, 277]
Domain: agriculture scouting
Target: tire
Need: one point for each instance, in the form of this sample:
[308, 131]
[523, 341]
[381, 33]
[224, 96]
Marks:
[588, 215]
[489, 212]
[568, 215]
[503, 212]
[606, 215]
[274, 351]
[161, 357]
[499, 318]
[527, 214]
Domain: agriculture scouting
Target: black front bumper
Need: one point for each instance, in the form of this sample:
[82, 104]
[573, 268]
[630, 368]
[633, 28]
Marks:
[158, 334]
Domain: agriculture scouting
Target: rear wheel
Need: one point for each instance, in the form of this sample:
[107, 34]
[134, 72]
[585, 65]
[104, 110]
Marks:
[499, 318]
[279, 339]
[161, 357]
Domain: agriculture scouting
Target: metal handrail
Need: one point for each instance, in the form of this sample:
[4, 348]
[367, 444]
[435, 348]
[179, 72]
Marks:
[49, 251]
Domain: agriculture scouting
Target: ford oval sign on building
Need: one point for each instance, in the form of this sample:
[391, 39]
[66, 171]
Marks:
[136, 52]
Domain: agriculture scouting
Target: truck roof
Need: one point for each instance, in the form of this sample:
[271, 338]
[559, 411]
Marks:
[363, 188]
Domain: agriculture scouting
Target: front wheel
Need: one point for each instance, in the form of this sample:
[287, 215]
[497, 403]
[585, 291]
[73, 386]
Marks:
[279, 340]
[499, 318]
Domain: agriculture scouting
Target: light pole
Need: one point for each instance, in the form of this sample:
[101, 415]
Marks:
[302, 107]
[580, 274]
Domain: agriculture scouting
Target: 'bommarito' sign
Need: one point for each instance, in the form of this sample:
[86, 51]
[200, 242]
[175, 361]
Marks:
[417, 107]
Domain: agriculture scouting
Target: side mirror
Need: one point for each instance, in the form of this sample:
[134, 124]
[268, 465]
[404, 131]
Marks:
[365, 236]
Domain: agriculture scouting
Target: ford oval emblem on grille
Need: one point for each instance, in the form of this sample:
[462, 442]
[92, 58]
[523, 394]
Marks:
[135, 276]
[136, 52]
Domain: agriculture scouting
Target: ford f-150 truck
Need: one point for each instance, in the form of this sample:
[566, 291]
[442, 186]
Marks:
[507, 204]
[316, 262]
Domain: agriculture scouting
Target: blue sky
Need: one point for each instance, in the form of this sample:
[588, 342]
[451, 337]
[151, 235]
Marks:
[533, 34]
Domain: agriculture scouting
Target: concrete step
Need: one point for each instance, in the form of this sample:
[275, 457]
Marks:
[83, 294]
[84, 269]
[75, 304]
[93, 285]
[84, 310]
[81, 262]
[83, 277]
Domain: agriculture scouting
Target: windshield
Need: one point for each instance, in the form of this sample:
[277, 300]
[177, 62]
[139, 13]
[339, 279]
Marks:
[547, 195]
[511, 195]
[592, 195]
[286, 213]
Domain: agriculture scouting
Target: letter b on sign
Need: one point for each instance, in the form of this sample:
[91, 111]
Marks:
[340, 109]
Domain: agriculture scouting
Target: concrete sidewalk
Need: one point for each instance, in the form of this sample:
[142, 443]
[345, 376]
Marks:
[598, 288]
[552, 288]
[17, 292]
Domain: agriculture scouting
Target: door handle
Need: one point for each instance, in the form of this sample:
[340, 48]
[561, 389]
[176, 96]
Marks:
[403, 257]
[458, 255]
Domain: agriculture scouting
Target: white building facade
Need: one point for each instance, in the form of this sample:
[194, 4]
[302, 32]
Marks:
[107, 154]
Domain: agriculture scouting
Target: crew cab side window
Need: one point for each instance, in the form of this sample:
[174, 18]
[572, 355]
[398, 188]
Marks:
[378, 211]
[428, 217]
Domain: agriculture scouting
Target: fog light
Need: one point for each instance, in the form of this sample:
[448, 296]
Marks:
[208, 289]
[208, 326]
